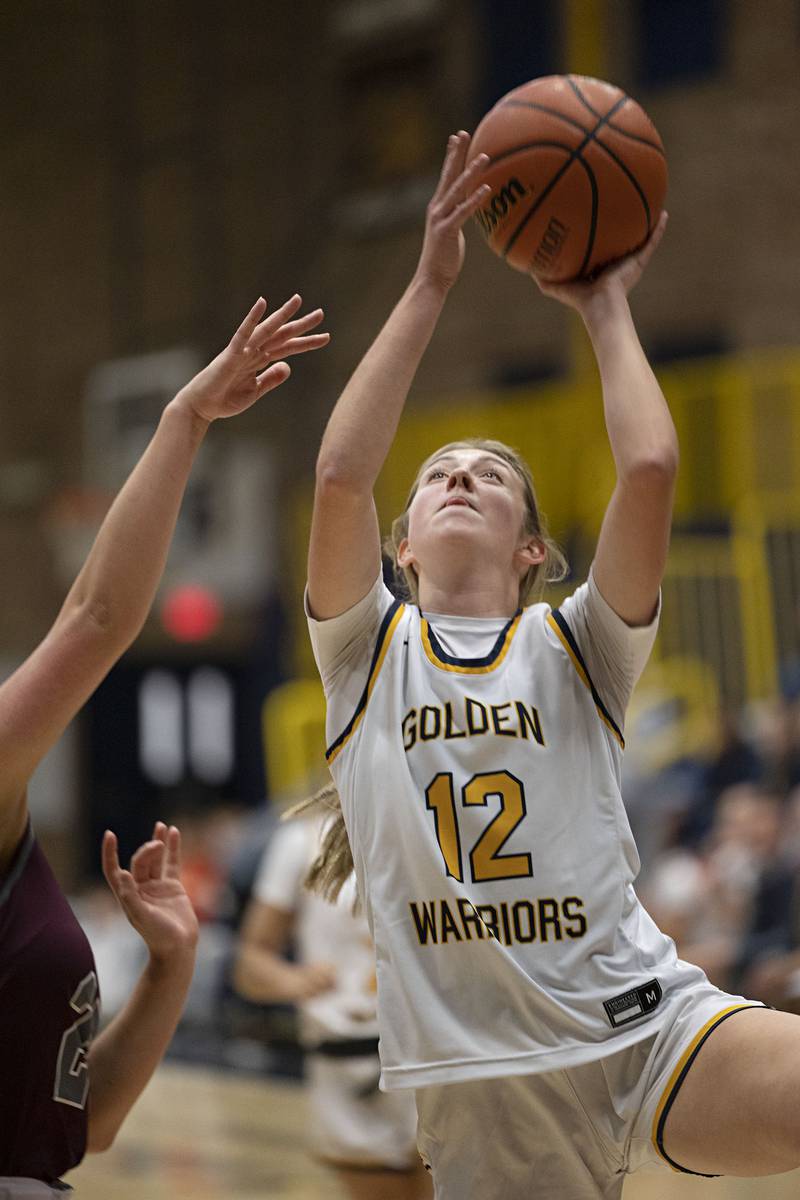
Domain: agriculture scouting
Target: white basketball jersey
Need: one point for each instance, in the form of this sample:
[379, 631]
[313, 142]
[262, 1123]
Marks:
[492, 848]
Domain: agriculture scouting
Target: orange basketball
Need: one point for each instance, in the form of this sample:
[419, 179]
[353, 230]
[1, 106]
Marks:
[578, 176]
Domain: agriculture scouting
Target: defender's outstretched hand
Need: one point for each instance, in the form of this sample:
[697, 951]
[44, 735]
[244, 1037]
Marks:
[455, 200]
[252, 363]
[122, 571]
[618, 277]
[151, 894]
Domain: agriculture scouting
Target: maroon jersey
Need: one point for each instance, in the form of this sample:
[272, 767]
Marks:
[48, 1015]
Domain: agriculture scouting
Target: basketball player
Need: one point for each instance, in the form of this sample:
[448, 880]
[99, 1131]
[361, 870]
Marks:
[63, 1093]
[554, 1039]
[366, 1135]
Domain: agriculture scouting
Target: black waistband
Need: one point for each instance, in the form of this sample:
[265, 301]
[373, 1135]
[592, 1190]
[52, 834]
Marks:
[346, 1048]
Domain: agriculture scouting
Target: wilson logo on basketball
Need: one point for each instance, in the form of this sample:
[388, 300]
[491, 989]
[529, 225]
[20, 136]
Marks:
[502, 203]
[549, 247]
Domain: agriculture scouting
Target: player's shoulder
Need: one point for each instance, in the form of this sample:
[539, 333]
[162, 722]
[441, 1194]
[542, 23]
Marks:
[577, 610]
[536, 614]
[343, 645]
[543, 616]
[562, 624]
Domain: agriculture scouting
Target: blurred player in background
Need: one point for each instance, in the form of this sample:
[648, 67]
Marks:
[64, 1091]
[555, 1040]
[367, 1136]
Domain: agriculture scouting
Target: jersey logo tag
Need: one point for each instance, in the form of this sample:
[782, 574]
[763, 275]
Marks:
[638, 1002]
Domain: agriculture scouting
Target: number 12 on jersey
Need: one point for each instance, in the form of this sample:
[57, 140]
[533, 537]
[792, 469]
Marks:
[485, 860]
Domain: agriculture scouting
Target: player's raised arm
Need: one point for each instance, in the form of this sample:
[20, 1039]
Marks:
[344, 555]
[109, 600]
[634, 538]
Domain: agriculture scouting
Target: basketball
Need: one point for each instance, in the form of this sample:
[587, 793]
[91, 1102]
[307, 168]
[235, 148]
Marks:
[578, 176]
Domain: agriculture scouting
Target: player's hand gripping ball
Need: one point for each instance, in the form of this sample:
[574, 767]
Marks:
[578, 176]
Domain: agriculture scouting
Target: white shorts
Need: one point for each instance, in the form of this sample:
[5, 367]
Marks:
[352, 1124]
[571, 1133]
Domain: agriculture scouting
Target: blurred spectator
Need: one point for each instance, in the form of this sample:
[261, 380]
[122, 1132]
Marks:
[366, 1136]
[657, 804]
[704, 898]
[777, 726]
[736, 760]
[225, 848]
[256, 1036]
[254, 832]
[210, 842]
[769, 957]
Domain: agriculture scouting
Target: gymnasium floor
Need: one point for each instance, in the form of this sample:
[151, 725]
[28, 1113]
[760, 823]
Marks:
[201, 1135]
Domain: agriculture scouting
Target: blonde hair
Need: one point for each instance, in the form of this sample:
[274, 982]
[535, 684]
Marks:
[333, 864]
[552, 568]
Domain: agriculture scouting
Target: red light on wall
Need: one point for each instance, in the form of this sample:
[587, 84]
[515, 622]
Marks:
[191, 613]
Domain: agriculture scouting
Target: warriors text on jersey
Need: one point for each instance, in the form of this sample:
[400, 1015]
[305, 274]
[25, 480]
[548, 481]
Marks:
[49, 1005]
[478, 762]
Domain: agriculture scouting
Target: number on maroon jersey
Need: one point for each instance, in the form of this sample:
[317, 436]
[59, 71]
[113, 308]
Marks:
[72, 1068]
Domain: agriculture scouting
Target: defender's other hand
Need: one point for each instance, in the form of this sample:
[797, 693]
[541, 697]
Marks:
[151, 893]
